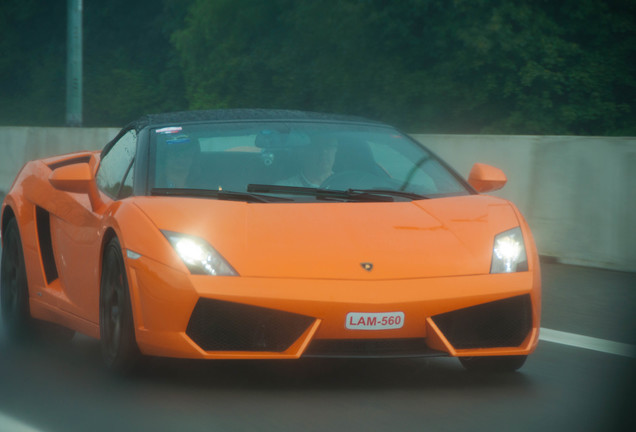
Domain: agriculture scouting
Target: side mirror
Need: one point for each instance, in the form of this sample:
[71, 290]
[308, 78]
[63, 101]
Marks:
[79, 178]
[72, 178]
[486, 178]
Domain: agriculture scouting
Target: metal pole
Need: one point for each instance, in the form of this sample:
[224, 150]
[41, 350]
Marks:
[74, 64]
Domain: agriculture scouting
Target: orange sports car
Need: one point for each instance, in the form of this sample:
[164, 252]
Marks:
[267, 234]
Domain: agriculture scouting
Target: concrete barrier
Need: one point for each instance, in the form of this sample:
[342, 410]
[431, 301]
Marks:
[577, 193]
[21, 144]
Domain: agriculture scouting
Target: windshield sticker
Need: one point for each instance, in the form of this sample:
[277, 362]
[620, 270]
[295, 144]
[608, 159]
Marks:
[169, 130]
[179, 139]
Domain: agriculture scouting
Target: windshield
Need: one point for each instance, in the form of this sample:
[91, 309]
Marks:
[293, 159]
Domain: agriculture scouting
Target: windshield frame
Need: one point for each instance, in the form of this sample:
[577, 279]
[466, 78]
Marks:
[145, 174]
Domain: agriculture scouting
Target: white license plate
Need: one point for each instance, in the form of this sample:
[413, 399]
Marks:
[374, 321]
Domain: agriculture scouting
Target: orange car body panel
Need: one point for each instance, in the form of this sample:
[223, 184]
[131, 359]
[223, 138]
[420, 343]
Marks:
[429, 257]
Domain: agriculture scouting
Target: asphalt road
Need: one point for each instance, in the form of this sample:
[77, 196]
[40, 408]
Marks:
[62, 387]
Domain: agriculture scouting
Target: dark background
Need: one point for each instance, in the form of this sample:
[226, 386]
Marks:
[437, 66]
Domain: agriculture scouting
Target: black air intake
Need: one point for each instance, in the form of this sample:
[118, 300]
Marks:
[43, 222]
[370, 348]
[502, 323]
[226, 326]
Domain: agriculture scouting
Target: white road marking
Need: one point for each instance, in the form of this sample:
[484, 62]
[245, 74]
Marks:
[587, 342]
[9, 424]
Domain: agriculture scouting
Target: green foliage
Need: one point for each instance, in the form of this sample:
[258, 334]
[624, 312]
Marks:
[130, 68]
[526, 67]
[444, 66]
[28, 82]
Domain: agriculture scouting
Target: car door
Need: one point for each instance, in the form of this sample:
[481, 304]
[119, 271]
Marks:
[78, 245]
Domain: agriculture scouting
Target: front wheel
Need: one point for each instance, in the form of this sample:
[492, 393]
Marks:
[116, 325]
[493, 364]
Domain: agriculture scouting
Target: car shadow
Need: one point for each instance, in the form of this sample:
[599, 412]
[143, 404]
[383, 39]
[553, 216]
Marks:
[82, 357]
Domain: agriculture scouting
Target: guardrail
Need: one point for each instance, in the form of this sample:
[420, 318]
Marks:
[577, 193]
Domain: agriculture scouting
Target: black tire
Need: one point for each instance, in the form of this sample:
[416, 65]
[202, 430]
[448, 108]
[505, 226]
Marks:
[116, 326]
[14, 290]
[493, 364]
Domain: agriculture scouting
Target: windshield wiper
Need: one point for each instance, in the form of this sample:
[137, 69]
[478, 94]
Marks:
[324, 194]
[218, 194]
[397, 193]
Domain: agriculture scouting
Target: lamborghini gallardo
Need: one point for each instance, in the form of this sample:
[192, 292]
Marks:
[269, 234]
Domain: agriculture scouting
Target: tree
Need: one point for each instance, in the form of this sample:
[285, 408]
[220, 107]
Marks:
[32, 80]
[458, 66]
[130, 67]
[429, 65]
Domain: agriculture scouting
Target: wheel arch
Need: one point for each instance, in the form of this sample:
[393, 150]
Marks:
[109, 235]
[121, 353]
[7, 215]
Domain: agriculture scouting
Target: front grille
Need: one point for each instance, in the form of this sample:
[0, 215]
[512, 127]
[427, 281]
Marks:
[226, 326]
[380, 348]
[502, 323]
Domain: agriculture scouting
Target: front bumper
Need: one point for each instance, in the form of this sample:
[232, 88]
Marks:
[180, 315]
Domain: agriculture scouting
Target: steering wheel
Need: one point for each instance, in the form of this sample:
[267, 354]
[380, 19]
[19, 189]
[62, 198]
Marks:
[353, 179]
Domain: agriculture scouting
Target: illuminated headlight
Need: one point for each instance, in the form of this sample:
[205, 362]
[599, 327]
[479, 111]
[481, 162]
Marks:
[199, 256]
[509, 252]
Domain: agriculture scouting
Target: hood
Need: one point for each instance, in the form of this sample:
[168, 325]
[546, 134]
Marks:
[426, 238]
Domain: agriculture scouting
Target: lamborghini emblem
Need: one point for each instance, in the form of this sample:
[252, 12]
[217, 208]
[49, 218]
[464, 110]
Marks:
[367, 266]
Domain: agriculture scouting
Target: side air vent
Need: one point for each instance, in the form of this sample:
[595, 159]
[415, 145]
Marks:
[43, 222]
[226, 326]
[502, 323]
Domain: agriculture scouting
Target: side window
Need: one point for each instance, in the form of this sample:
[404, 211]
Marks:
[116, 165]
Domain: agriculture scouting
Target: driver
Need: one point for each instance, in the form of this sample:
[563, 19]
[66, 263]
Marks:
[316, 164]
[181, 154]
